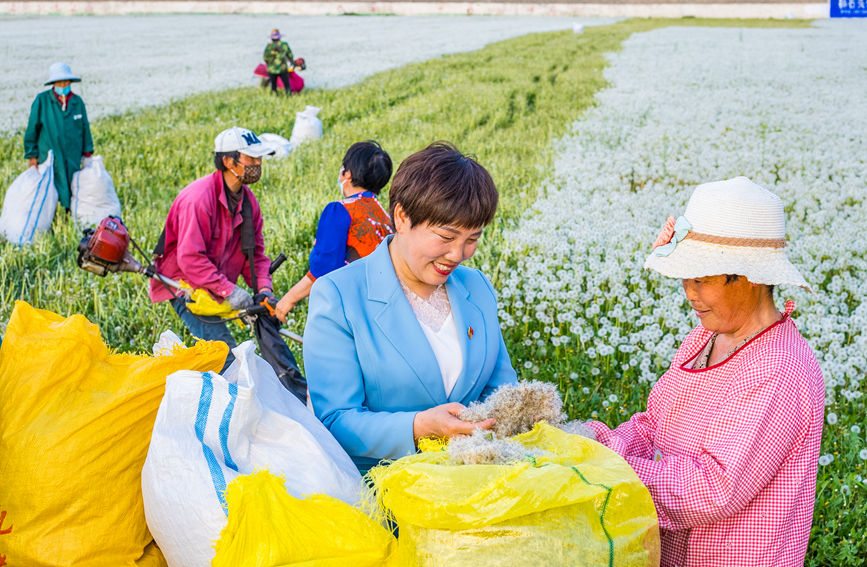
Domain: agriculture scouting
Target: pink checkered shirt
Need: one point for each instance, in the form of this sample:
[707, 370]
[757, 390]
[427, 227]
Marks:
[729, 453]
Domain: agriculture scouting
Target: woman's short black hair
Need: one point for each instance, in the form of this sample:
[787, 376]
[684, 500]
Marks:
[369, 165]
[439, 185]
[218, 159]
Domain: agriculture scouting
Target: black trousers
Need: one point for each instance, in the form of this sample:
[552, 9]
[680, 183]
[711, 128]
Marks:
[284, 76]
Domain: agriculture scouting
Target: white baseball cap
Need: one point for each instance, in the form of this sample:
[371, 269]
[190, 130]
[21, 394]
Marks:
[241, 140]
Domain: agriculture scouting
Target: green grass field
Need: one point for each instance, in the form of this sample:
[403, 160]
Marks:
[505, 104]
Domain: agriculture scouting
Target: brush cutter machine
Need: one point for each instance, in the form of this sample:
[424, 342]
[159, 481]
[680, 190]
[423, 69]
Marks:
[106, 249]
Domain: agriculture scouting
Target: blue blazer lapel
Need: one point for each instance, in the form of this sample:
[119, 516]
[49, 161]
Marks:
[472, 333]
[398, 323]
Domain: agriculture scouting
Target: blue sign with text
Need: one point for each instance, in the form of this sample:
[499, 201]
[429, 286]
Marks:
[848, 8]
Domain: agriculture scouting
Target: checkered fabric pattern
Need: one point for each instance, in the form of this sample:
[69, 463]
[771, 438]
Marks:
[730, 453]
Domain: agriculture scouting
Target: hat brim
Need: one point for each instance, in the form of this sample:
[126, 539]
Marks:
[696, 259]
[70, 79]
[258, 150]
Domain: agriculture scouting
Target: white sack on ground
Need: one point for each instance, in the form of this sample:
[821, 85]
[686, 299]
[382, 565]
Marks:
[210, 429]
[278, 143]
[30, 203]
[307, 126]
[93, 194]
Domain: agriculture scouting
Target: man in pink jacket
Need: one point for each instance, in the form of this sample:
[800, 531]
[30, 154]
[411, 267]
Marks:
[203, 244]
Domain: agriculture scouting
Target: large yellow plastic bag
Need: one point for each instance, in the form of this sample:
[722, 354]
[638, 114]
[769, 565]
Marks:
[268, 527]
[75, 422]
[579, 505]
[211, 429]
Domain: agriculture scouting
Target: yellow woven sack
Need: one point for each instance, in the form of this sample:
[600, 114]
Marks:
[268, 527]
[581, 506]
[75, 425]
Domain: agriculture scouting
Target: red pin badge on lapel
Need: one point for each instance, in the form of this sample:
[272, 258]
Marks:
[470, 333]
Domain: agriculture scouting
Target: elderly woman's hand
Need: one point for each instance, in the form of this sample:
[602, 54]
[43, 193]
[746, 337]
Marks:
[443, 421]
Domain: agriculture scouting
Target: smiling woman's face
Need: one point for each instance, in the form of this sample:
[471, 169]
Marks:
[722, 307]
[425, 255]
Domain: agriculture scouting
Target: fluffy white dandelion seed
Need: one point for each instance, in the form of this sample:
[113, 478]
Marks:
[832, 418]
[585, 389]
[855, 429]
[863, 454]
[825, 460]
[845, 490]
[612, 398]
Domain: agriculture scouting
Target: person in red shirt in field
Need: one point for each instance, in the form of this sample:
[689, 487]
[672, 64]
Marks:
[204, 244]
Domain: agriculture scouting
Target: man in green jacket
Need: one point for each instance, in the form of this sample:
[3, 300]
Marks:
[58, 121]
[278, 60]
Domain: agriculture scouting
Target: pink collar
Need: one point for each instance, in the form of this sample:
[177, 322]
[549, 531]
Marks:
[789, 308]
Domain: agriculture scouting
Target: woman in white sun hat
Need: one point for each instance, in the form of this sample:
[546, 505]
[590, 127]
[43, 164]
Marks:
[729, 444]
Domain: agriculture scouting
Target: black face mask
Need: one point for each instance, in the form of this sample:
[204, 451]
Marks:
[276, 40]
[251, 174]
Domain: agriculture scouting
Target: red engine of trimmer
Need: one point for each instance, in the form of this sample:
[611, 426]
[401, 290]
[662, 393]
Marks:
[104, 249]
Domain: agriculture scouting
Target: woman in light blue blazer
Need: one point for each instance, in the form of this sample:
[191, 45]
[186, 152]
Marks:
[399, 342]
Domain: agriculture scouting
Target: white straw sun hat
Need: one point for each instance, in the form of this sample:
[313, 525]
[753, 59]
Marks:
[729, 227]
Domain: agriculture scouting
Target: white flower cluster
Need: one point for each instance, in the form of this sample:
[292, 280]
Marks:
[130, 62]
[786, 108]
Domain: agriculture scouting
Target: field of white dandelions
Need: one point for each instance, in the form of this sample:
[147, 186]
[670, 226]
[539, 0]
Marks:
[685, 106]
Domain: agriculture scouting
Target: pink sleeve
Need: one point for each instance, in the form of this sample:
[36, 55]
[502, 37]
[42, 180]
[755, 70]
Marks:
[194, 232]
[744, 444]
[635, 436]
[261, 261]
[631, 438]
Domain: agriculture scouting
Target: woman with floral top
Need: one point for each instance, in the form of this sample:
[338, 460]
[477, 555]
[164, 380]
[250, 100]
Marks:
[729, 444]
[351, 228]
[398, 342]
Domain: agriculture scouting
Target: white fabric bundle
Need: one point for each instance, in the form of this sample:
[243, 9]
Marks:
[30, 203]
[281, 145]
[307, 126]
[93, 194]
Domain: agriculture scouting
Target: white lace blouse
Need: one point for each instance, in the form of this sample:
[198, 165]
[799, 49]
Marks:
[438, 324]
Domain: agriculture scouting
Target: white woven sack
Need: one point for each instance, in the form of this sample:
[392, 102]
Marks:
[210, 429]
[307, 126]
[93, 194]
[278, 143]
[29, 204]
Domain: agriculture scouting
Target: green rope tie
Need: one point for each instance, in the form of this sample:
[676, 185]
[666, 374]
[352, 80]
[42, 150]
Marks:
[602, 515]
